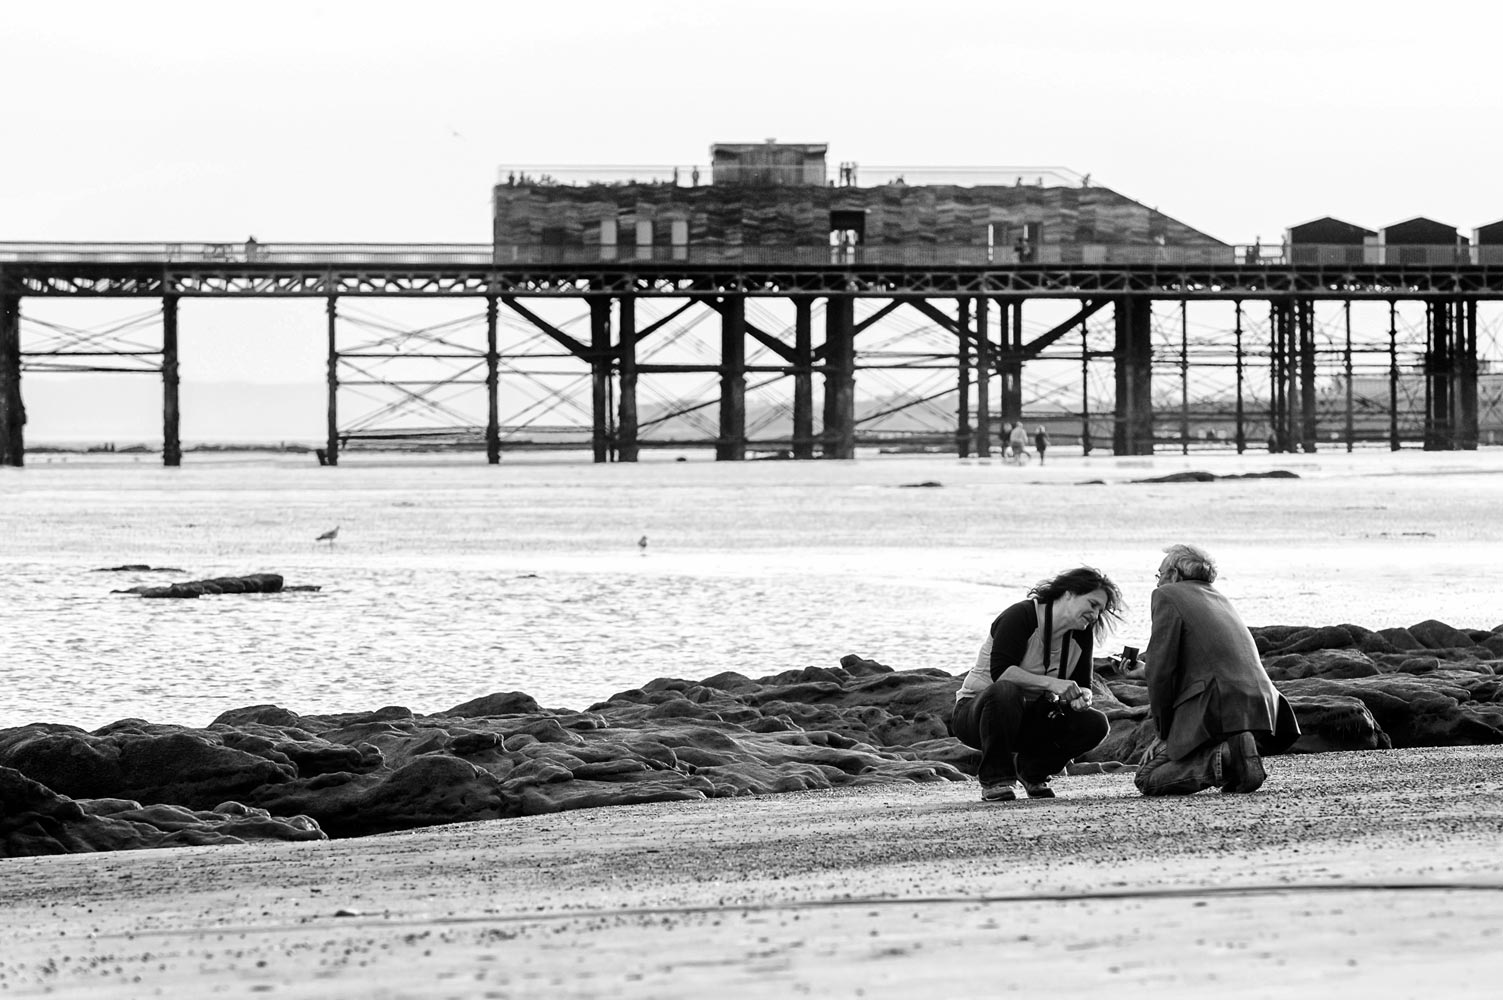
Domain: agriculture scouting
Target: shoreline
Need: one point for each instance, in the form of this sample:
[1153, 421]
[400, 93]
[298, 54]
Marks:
[1362, 870]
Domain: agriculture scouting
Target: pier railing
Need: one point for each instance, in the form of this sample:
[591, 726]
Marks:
[483, 255]
[795, 175]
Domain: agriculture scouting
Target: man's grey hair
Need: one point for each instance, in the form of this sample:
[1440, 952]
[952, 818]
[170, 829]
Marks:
[1191, 562]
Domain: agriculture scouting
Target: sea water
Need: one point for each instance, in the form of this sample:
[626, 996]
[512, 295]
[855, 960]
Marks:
[451, 579]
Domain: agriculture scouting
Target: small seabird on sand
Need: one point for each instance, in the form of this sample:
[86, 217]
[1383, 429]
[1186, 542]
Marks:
[642, 544]
[329, 535]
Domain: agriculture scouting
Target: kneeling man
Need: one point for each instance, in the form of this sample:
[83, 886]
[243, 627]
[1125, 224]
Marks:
[1216, 710]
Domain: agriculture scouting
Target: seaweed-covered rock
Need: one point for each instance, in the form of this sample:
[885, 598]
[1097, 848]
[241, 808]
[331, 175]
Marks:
[36, 820]
[853, 723]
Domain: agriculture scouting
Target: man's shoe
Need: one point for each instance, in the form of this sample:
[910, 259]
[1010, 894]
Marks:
[1241, 767]
[1000, 792]
[1038, 789]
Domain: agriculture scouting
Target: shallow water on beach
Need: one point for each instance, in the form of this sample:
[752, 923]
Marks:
[451, 579]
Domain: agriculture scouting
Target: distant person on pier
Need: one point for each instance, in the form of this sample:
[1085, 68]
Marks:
[1026, 704]
[1040, 441]
[1216, 710]
[1017, 440]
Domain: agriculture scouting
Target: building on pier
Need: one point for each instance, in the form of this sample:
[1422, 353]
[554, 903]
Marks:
[774, 204]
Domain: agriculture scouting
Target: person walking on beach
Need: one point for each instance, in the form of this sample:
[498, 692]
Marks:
[1215, 708]
[1040, 441]
[1026, 704]
[1017, 440]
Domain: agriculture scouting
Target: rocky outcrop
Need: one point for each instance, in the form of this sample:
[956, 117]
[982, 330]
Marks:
[1199, 476]
[860, 722]
[254, 583]
[1358, 689]
[137, 568]
[36, 820]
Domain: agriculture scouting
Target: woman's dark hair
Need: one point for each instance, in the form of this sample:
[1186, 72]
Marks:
[1083, 580]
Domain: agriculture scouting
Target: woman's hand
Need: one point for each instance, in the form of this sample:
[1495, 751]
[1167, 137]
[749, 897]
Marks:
[1073, 695]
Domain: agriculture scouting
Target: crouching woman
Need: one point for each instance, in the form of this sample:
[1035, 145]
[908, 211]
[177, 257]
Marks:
[1026, 704]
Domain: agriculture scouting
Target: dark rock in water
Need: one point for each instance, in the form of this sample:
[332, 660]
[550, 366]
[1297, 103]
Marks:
[255, 583]
[1179, 477]
[34, 820]
[137, 568]
[1198, 476]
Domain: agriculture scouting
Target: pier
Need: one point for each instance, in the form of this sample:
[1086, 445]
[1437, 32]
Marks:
[1125, 331]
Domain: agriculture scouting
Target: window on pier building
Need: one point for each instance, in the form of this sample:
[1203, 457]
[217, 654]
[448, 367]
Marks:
[553, 239]
[608, 239]
[847, 229]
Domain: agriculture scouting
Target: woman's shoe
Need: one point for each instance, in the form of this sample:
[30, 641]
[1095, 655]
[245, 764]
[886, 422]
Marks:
[1000, 792]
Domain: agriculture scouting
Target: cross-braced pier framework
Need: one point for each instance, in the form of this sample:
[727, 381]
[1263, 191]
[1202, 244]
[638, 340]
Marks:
[1135, 319]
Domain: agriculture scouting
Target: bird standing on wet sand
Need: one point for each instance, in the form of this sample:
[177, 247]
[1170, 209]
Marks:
[642, 544]
[329, 536]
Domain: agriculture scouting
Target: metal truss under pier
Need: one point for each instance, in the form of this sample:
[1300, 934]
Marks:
[977, 305]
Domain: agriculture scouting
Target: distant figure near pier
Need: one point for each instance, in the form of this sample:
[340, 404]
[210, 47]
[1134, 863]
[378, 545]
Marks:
[329, 536]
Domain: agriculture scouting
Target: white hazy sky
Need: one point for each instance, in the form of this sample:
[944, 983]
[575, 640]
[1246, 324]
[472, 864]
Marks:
[379, 121]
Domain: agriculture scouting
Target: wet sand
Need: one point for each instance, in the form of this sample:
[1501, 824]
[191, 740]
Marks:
[1374, 874]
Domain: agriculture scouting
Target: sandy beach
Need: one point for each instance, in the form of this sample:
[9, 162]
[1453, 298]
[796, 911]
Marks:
[1372, 874]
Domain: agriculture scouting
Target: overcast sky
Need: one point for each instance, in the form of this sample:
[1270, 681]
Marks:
[378, 121]
[385, 121]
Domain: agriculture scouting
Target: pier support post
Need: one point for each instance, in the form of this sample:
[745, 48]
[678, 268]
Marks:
[1304, 311]
[492, 384]
[600, 376]
[1132, 429]
[840, 378]
[1451, 375]
[1393, 376]
[1010, 363]
[172, 444]
[1467, 430]
[12, 409]
[984, 364]
[331, 447]
[803, 377]
[730, 445]
[1438, 376]
[1350, 428]
[1280, 424]
[1240, 431]
[626, 422]
[964, 430]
